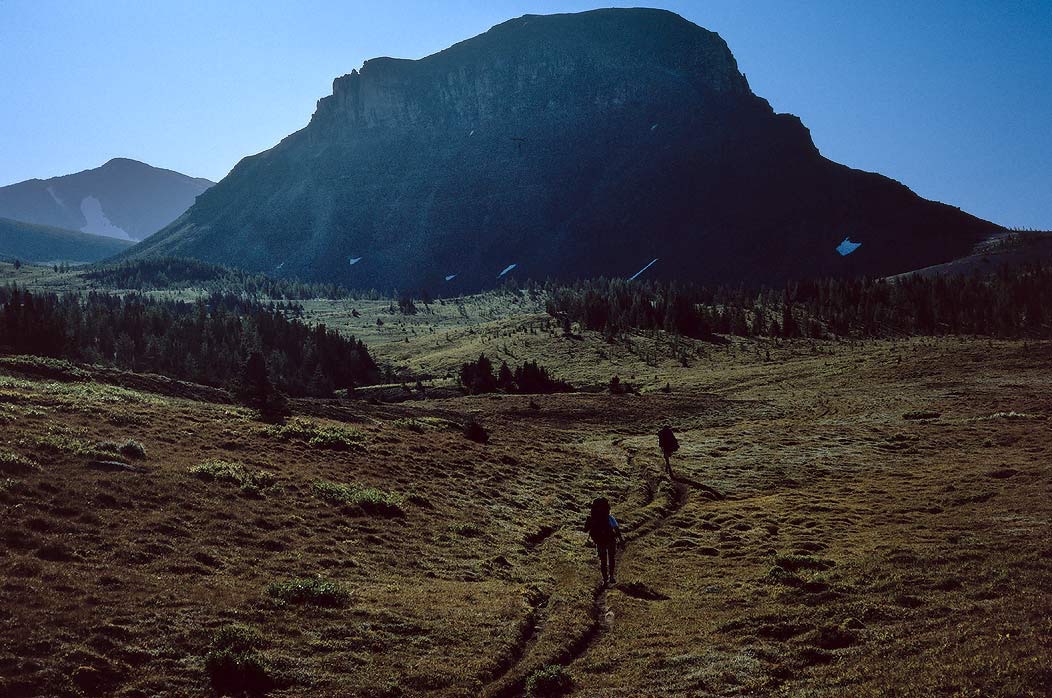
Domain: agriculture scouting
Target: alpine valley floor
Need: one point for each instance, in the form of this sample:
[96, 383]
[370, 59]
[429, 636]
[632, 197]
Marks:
[848, 519]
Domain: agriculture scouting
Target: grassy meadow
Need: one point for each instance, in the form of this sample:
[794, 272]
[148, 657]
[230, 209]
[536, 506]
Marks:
[847, 519]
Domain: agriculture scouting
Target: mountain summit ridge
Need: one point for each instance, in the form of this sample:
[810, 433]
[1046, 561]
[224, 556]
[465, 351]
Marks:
[363, 96]
[567, 145]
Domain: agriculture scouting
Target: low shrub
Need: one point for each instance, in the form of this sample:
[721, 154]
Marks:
[328, 437]
[780, 575]
[370, 500]
[237, 637]
[61, 441]
[468, 530]
[128, 448]
[234, 664]
[474, 431]
[619, 387]
[553, 680]
[312, 591]
[217, 470]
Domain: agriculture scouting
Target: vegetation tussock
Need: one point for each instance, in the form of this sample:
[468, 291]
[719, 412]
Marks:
[222, 471]
[234, 664]
[370, 500]
[312, 591]
[333, 438]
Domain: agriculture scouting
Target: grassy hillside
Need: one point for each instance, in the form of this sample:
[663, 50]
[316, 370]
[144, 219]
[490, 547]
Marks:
[43, 244]
[846, 519]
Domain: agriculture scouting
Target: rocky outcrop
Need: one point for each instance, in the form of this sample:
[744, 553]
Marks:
[565, 145]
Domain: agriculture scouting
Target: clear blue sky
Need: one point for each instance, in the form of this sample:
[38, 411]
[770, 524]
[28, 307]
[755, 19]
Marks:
[952, 98]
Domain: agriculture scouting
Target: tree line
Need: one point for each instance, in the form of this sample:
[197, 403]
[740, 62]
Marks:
[477, 377]
[164, 274]
[208, 341]
[1009, 304]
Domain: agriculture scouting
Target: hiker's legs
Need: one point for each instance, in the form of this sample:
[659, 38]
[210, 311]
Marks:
[611, 550]
[668, 466]
[602, 561]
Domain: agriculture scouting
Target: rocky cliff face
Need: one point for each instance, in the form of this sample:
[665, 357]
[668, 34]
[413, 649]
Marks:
[600, 61]
[567, 145]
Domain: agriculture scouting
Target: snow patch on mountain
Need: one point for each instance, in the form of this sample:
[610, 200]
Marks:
[97, 222]
[847, 247]
[51, 190]
[652, 262]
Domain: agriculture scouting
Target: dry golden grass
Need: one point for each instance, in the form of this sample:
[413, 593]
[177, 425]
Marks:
[817, 541]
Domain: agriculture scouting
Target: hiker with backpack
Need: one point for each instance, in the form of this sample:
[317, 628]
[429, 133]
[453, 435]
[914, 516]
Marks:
[669, 445]
[602, 528]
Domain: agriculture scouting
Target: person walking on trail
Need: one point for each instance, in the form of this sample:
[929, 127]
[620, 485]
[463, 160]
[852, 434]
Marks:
[669, 445]
[602, 528]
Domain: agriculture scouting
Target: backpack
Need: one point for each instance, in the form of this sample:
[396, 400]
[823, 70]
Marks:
[668, 441]
[601, 523]
[601, 531]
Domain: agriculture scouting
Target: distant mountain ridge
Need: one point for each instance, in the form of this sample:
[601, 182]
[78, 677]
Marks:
[123, 198]
[565, 146]
[28, 242]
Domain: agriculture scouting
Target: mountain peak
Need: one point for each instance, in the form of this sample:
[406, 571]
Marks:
[122, 198]
[569, 145]
[124, 161]
[535, 52]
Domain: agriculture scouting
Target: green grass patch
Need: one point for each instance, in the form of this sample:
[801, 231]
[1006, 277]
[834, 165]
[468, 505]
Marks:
[234, 664]
[128, 448]
[12, 398]
[552, 680]
[59, 443]
[319, 436]
[311, 591]
[468, 530]
[217, 470]
[61, 440]
[55, 369]
[370, 500]
[12, 463]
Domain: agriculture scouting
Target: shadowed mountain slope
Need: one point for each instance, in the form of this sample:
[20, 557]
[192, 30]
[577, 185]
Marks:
[41, 243]
[567, 145]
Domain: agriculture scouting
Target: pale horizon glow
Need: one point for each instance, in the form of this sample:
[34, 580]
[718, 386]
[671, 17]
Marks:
[952, 99]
